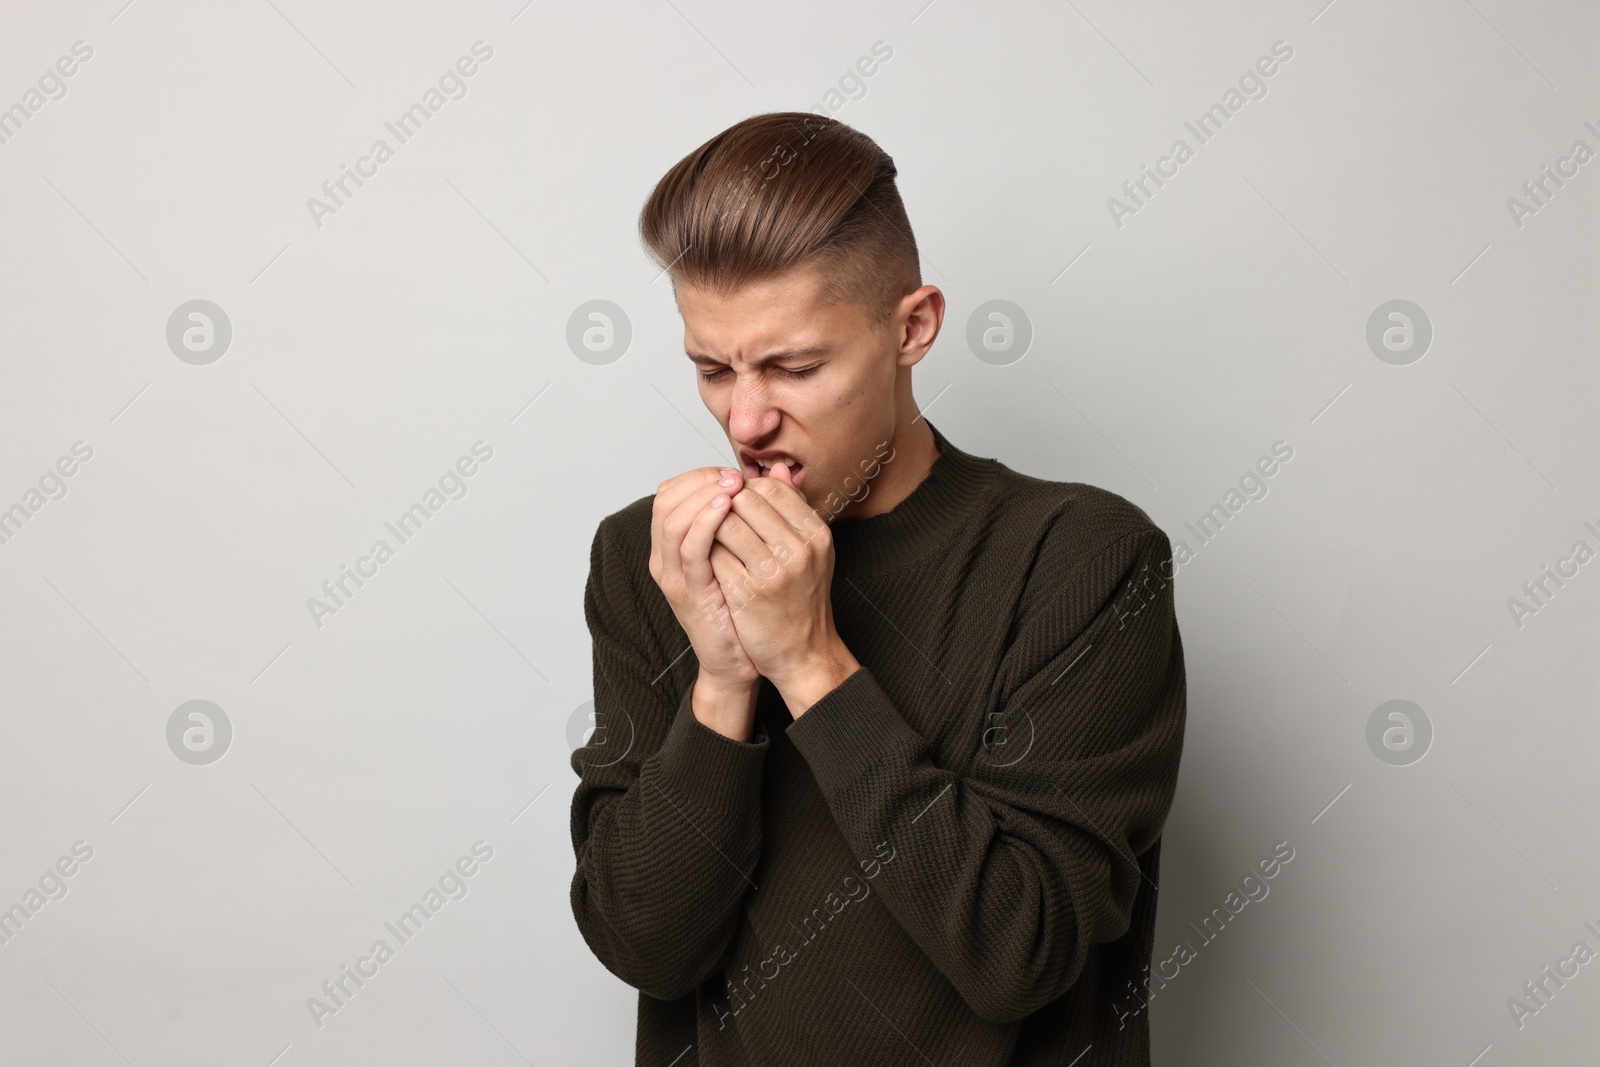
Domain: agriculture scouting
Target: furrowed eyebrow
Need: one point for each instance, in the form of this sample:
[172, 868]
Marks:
[791, 353]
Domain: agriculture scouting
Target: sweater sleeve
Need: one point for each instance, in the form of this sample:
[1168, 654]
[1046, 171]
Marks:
[666, 818]
[1008, 869]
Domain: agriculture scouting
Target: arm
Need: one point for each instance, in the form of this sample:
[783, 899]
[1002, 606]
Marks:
[1011, 868]
[666, 820]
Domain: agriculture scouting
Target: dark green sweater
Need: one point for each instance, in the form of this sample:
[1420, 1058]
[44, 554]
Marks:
[951, 858]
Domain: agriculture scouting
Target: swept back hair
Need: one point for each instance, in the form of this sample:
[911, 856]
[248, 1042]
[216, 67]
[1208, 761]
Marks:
[779, 190]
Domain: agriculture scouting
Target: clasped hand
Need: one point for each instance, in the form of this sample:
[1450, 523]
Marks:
[747, 566]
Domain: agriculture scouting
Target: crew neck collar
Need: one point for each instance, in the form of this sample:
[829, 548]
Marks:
[920, 523]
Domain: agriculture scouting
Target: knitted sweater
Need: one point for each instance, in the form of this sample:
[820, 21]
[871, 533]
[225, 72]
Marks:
[952, 857]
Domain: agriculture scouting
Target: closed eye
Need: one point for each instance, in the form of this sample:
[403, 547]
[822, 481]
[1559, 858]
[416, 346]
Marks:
[717, 374]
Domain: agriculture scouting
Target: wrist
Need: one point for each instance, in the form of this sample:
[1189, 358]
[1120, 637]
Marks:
[726, 707]
[820, 674]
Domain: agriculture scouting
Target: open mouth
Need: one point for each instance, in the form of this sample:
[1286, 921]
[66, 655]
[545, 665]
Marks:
[762, 468]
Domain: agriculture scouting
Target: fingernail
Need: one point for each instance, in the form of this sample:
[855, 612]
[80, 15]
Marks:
[728, 480]
[720, 502]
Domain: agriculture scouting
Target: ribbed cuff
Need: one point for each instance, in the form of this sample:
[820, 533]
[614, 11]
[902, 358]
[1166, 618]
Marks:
[850, 731]
[716, 774]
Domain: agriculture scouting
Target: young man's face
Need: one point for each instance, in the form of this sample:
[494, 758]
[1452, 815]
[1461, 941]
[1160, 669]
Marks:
[829, 395]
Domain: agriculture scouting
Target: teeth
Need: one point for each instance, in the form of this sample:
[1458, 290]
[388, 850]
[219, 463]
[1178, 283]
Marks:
[768, 464]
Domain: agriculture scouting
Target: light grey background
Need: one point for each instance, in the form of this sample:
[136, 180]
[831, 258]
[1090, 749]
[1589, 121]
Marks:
[430, 312]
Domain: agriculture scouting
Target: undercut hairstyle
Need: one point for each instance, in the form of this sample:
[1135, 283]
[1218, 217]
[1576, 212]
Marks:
[779, 190]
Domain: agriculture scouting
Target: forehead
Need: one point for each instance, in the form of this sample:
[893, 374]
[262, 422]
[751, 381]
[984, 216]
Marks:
[785, 311]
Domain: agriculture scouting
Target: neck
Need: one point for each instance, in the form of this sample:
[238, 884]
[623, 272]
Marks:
[914, 451]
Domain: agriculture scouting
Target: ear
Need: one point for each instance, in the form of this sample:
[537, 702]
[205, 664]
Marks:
[923, 312]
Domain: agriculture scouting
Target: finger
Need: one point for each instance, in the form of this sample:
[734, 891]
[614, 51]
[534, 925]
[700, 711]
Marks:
[772, 543]
[671, 493]
[674, 527]
[791, 504]
[757, 508]
[674, 491]
[732, 577]
[736, 536]
[695, 552]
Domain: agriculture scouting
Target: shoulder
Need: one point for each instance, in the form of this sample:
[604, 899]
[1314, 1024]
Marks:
[1080, 548]
[619, 561]
[1072, 524]
[627, 530]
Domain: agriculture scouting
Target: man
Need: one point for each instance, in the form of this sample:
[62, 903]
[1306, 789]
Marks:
[886, 732]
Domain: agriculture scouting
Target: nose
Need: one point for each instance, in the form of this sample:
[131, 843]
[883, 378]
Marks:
[751, 414]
